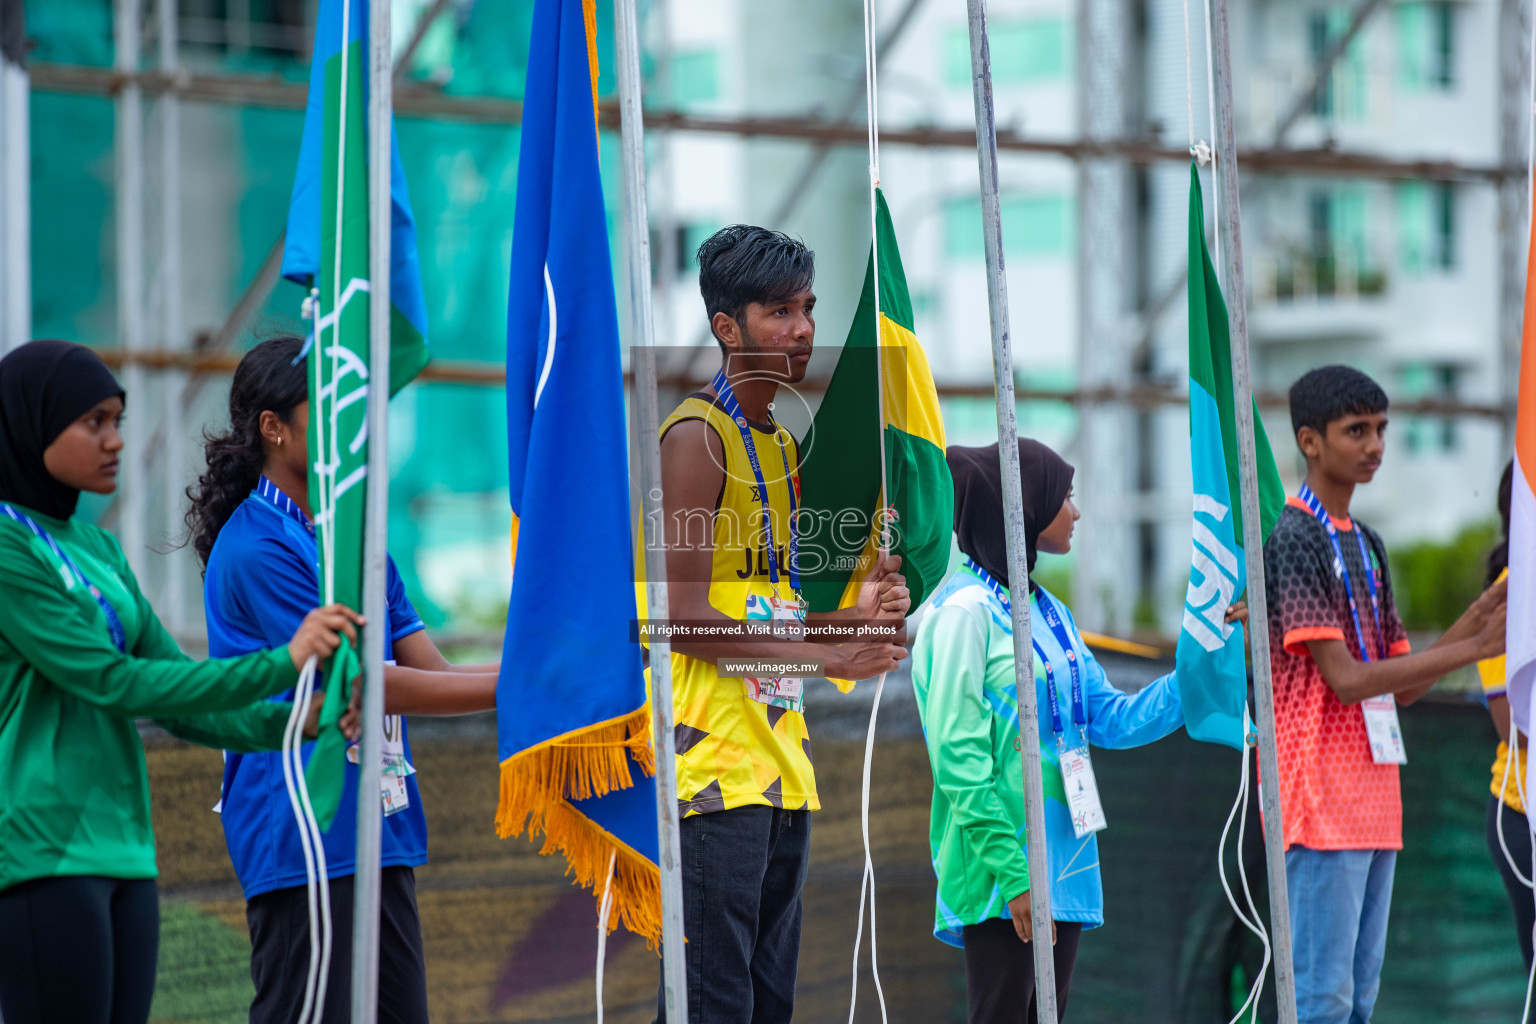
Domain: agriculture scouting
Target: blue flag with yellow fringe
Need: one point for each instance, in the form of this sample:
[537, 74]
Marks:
[572, 719]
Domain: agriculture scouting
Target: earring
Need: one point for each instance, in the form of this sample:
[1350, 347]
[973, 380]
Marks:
[279, 442]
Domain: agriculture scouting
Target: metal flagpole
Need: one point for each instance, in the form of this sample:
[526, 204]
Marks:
[370, 814]
[642, 355]
[129, 146]
[170, 311]
[15, 182]
[1229, 230]
[1013, 515]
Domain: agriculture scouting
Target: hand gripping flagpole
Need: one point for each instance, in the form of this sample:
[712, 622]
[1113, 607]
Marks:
[643, 363]
[370, 814]
[1013, 516]
[1230, 252]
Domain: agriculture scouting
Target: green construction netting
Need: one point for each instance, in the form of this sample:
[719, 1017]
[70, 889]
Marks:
[448, 514]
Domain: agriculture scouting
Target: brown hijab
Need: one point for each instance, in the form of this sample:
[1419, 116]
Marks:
[1046, 478]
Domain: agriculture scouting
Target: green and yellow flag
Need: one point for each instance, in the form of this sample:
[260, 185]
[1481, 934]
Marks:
[882, 388]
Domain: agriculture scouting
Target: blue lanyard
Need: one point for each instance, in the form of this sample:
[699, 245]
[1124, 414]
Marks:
[1059, 631]
[269, 490]
[732, 407]
[1315, 506]
[114, 623]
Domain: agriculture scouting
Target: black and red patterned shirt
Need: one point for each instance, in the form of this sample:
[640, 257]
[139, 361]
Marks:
[1332, 795]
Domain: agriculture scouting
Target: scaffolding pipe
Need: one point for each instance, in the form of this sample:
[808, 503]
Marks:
[174, 465]
[642, 357]
[425, 102]
[1229, 230]
[129, 148]
[1013, 516]
[370, 812]
[15, 186]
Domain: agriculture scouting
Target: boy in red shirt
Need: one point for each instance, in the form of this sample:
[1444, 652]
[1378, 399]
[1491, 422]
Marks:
[1341, 665]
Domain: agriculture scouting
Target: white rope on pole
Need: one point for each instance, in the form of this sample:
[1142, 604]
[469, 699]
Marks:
[604, 910]
[316, 875]
[1201, 150]
[1510, 755]
[1250, 919]
[867, 881]
[1210, 95]
[1530, 980]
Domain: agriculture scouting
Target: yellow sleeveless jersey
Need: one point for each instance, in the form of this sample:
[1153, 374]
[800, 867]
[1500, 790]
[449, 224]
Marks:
[733, 751]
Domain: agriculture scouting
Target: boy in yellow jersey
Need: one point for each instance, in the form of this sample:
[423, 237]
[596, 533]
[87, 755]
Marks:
[744, 777]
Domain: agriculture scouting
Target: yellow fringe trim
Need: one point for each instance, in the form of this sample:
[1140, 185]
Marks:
[537, 787]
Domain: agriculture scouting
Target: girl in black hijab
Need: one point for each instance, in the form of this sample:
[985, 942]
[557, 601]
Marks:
[963, 671]
[81, 655]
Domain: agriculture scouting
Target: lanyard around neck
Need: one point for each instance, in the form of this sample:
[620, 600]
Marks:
[114, 622]
[1315, 506]
[732, 408]
[1058, 628]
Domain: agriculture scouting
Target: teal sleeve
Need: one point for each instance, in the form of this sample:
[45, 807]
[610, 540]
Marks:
[49, 631]
[958, 725]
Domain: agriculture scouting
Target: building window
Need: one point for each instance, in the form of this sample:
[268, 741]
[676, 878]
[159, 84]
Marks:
[1428, 435]
[1426, 226]
[689, 237]
[1334, 256]
[1023, 50]
[1344, 93]
[1426, 45]
[695, 77]
[1033, 226]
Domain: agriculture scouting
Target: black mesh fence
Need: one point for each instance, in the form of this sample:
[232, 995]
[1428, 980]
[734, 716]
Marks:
[509, 939]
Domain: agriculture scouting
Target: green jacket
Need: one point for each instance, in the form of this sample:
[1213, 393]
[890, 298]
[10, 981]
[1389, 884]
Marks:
[963, 671]
[74, 788]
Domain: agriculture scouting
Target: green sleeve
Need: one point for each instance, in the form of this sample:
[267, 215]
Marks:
[250, 729]
[959, 727]
[50, 632]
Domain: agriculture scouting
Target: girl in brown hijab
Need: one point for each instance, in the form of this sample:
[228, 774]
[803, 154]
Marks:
[963, 671]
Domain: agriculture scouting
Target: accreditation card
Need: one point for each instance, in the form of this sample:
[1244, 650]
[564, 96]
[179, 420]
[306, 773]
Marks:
[1082, 792]
[1383, 730]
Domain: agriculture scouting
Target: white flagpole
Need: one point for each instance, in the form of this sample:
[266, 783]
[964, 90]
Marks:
[1013, 516]
[1230, 252]
[643, 362]
[370, 814]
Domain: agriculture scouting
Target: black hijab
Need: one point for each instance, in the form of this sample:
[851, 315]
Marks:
[978, 474]
[44, 387]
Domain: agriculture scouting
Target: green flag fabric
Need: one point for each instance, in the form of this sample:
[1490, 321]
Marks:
[881, 389]
[327, 250]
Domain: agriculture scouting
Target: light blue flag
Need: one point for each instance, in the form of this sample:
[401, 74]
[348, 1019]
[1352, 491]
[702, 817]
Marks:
[1211, 667]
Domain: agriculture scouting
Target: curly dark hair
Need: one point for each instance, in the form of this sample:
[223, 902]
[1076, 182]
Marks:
[270, 378]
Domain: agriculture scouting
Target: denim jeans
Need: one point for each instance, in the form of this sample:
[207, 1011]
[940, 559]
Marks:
[1339, 901]
[743, 871]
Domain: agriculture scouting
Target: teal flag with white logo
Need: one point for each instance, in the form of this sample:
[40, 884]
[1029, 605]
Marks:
[1210, 664]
